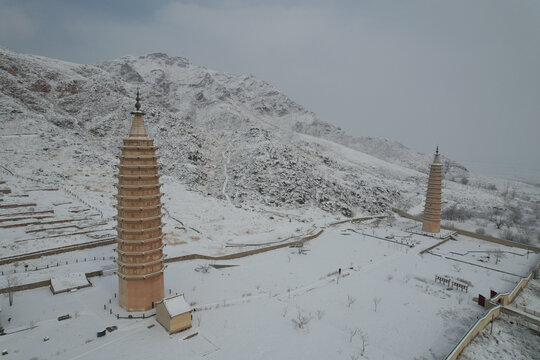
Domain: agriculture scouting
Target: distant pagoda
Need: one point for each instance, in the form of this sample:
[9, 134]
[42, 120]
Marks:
[139, 229]
[432, 210]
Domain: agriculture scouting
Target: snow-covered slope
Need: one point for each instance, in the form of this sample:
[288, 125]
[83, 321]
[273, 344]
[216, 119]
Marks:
[210, 127]
[232, 137]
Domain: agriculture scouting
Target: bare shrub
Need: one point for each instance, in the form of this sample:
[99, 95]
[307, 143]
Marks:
[376, 301]
[480, 231]
[363, 337]
[350, 300]
[320, 313]
[515, 216]
[464, 180]
[516, 237]
[497, 216]
[203, 268]
[302, 319]
[352, 333]
[498, 256]
[456, 213]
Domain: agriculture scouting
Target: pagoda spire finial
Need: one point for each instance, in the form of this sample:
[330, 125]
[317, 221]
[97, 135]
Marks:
[137, 126]
[138, 104]
[437, 151]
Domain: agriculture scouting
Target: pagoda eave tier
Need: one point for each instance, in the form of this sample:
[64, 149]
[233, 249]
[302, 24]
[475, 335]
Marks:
[130, 242]
[138, 187]
[137, 157]
[137, 176]
[137, 219]
[138, 147]
[139, 141]
[138, 166]
[138, 231]
[142, 253]
[139, 265]
[139, 277]
[142, 197]
[138, 208]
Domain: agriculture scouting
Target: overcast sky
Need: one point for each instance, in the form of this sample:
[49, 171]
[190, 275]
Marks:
[461, 74]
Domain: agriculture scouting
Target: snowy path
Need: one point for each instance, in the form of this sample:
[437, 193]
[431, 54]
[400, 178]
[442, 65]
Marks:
[227, 161]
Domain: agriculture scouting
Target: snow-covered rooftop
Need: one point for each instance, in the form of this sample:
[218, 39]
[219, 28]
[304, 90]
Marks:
[66, 282]
[176, 305]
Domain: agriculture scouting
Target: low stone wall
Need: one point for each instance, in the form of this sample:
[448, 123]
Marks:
[507, 298]
[473, 234]
[34, 285]
[473, 331]
[59, 250]
[241, 254]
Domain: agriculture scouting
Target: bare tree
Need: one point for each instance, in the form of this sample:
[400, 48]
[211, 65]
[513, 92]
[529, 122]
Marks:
[497, 216]
[376, 301]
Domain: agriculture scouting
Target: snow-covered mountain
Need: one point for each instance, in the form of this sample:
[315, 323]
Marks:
[228, 136]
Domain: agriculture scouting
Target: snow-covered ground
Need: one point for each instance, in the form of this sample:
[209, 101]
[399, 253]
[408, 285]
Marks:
[508, 339]
[528, 299]
[385, 293]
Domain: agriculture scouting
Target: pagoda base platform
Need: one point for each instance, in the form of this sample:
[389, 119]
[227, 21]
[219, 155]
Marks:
[140, 294]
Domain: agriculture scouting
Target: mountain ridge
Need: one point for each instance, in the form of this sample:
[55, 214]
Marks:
[200, 118]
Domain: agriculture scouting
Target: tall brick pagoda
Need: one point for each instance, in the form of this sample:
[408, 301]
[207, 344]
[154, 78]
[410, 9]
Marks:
[139, 236]
[432, 210]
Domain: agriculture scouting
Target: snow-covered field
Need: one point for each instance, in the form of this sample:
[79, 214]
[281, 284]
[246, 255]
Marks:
[385, 293]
